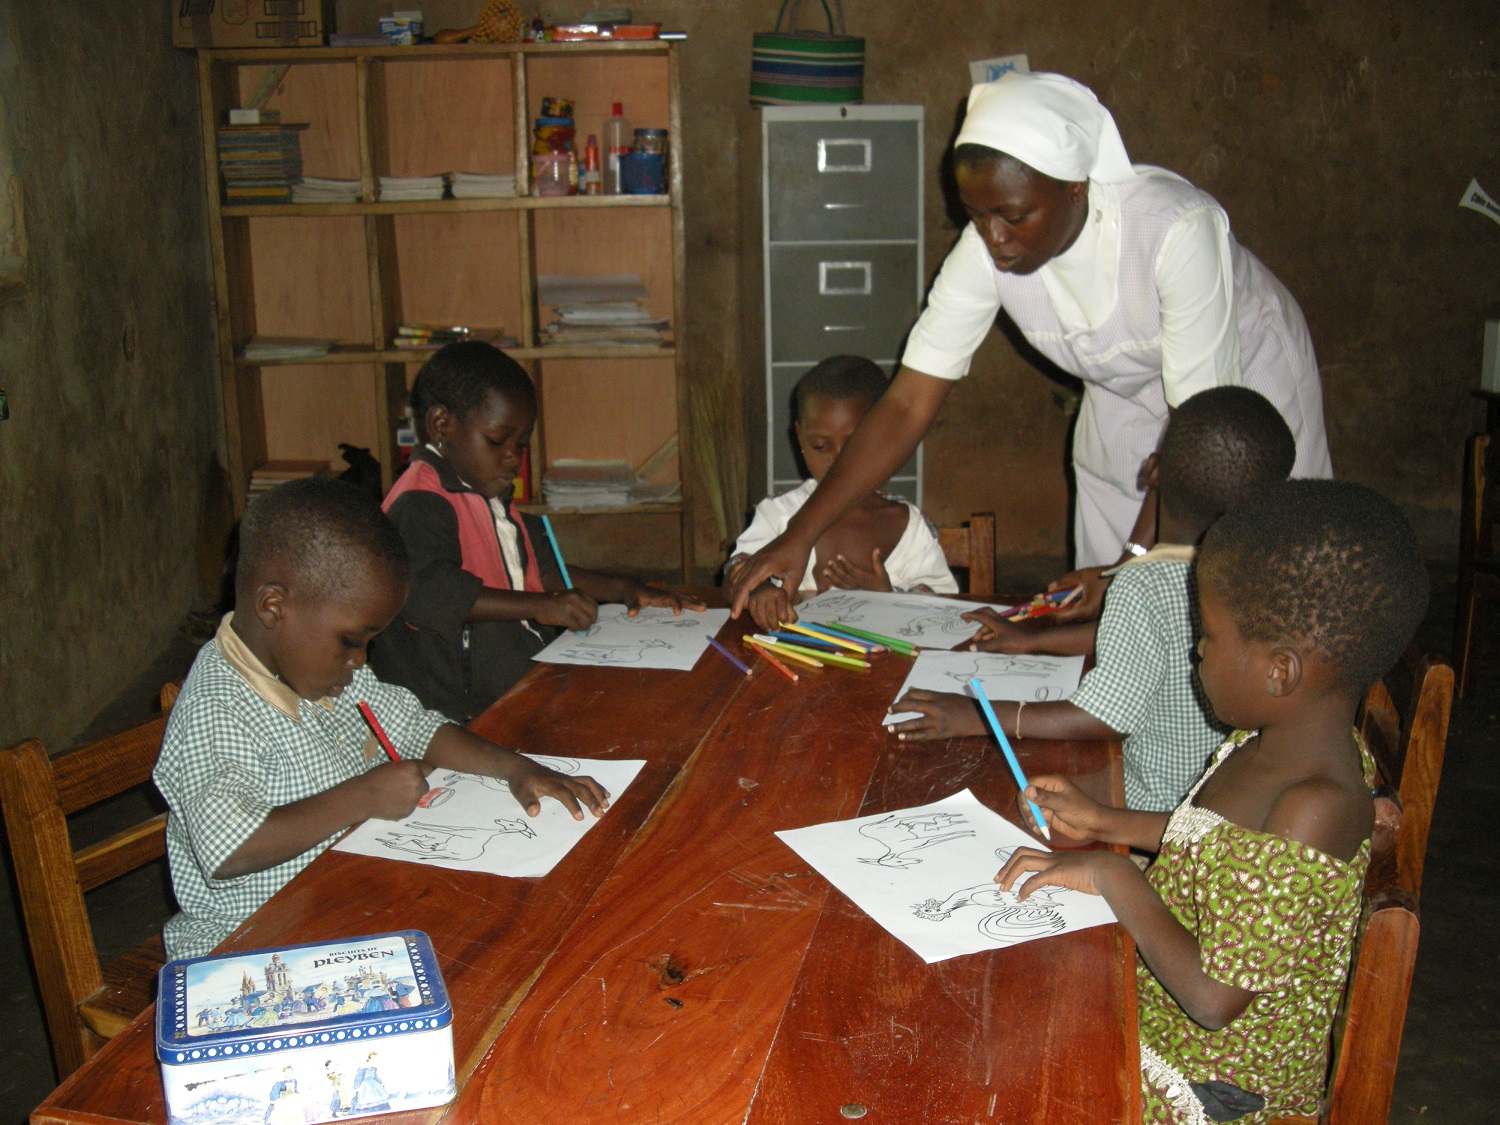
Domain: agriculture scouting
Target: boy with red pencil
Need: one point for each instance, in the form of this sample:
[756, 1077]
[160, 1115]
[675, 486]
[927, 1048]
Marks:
[267, 756]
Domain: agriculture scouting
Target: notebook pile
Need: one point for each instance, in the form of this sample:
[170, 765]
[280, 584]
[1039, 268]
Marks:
[477, 185]
[260, 163]
[321, 189]
[605, 311]
[398, 188]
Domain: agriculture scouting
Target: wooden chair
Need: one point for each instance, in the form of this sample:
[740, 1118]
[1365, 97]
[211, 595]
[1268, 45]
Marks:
[85, 1003]
[1368, 1043]
[1405, 724]
[1478, 561]
[973, 546]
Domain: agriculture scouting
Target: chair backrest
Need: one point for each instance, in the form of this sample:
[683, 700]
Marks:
[1405, 723]
[972, 546]
[1476, 536]
[37, 795]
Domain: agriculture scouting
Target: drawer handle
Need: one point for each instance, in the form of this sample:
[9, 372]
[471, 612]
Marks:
[843, 328]
[844, 279]
[844, 154]
[841, 206]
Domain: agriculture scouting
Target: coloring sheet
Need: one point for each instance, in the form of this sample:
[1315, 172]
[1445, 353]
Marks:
[1036, 679]
[472, 823]
[927, 875]
[924, 620]
[654, 638]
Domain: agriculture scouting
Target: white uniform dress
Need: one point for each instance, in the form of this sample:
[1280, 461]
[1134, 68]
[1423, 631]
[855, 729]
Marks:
[916, 563]
[1152, 303]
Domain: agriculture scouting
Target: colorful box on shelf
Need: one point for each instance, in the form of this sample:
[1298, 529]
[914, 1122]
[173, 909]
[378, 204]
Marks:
[308, 1033]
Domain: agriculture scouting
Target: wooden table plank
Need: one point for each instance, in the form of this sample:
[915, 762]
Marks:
[1040, 1032]
[663, 1000]
[491, 935]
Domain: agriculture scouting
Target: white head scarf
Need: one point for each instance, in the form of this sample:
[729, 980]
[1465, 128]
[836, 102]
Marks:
[1049, 122]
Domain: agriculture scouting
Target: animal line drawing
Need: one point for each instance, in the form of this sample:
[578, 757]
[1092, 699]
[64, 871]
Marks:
[1011, 920]
[1002, 664]
[902, 835]
[928, 620]
[449, 842]
[652, 639]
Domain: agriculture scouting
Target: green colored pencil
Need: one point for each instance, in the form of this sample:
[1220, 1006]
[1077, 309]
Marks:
[905, 648]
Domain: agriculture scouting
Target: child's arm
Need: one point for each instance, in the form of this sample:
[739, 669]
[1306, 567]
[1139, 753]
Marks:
[996, 634]
[568, 609]
[453, 747]
[1169, 950]
[951, 715]
[1071, 811]
[627, 591]
[389, 792]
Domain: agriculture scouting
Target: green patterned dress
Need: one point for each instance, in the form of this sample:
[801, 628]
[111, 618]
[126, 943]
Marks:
[1270, 915]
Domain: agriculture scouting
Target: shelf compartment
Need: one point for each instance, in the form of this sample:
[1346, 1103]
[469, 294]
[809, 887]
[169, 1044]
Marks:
[446, 206]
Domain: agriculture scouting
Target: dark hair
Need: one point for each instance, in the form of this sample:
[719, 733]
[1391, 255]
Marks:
[1320, 564]
[840, 377]
[318, 533]
[461, 376]
[1220, 444]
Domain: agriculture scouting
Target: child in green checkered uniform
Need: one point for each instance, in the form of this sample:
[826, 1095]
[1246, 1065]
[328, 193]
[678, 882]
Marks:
[266, 758]
[1218, 446]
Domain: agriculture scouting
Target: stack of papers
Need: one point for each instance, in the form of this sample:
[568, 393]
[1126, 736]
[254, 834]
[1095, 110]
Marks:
[285, 347]
[608, 310]
[320, 189]
[477, 185]
[572, 483]
[397, 188]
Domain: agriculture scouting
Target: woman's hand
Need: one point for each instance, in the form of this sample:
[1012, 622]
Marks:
[642, 596]
[845, 575]
[771, 606]
[781, 558]
[530, 782]
[944, 715]
[567, 609]
[1084, 871]
[1087, 606]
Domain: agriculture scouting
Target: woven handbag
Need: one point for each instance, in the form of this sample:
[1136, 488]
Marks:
[794, 67]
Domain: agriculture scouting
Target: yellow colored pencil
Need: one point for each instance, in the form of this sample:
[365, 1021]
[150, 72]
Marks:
[825, 657]
[828, 638]
[796, 657]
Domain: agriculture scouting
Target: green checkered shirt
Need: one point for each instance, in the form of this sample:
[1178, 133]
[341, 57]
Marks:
[231, 755]
[1143, 683]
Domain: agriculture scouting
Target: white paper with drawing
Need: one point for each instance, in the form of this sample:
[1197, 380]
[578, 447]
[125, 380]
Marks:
[654, 638]
[921, 619]
[927, 875]
[472, 823]
[1035, 679]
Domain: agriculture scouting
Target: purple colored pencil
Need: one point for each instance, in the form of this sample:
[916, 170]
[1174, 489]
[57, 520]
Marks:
[731, 657]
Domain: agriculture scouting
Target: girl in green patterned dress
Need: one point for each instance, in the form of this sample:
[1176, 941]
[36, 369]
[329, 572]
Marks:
[1307, 592]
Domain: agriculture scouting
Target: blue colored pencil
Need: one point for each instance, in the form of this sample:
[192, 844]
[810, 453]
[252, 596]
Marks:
[557, 553]
[799, 639]
[731, 657]
[1010, 755]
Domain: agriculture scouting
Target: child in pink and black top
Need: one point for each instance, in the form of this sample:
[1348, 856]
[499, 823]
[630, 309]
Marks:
[486, 592]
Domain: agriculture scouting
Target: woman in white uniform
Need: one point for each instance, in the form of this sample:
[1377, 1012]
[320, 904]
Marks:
[1126, 276]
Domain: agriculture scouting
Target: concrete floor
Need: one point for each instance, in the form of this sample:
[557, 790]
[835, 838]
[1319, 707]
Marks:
[1452, 1041]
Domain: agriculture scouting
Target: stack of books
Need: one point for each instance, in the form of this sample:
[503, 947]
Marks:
[260, 163]
[606, 311]
[320, 189]
[273, 473]
[285, 347]
[396, 188]
[477, 185]
[570, 483]
[430, 337]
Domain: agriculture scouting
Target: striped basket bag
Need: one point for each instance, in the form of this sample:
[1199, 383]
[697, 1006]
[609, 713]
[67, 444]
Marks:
[794, 67]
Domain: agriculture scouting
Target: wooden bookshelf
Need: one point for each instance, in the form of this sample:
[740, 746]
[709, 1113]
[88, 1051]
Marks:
[353, 272]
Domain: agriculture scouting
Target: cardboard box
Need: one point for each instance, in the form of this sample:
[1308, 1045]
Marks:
[251, 23]
[305, 1033]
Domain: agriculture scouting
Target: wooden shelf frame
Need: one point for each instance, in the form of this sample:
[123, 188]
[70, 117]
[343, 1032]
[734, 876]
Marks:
[378, 232]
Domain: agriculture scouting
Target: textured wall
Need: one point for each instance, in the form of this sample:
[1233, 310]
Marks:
[106, 353]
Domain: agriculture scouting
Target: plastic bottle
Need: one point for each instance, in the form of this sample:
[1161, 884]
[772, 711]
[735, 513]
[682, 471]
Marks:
[589, 183]
[619, 138]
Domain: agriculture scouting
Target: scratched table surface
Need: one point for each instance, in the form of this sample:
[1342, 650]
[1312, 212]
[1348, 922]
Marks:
[683, 965]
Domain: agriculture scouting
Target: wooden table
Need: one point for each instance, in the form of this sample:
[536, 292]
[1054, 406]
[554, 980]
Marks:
[683, 965]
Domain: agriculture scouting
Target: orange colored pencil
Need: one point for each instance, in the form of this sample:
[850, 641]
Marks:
[774, 663]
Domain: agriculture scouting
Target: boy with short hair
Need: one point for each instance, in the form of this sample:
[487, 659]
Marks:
[266, 758]
[883, 543]
[1219, 446]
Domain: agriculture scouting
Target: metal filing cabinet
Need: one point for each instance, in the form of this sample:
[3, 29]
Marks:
[842, 216]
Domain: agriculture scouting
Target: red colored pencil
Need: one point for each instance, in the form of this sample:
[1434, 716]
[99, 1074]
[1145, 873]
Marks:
[384, 739]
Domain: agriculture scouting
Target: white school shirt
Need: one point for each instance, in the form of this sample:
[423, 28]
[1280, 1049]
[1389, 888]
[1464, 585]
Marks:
[917, 560]
[1154, 302]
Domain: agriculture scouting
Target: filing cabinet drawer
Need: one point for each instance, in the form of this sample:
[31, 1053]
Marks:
[858, 299]
[842, 179]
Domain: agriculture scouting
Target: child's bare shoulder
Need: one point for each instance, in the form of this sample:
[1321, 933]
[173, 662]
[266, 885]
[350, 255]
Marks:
[1324, 811]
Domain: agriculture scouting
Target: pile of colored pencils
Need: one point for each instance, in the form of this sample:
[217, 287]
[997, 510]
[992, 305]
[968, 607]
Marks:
[814, 646]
